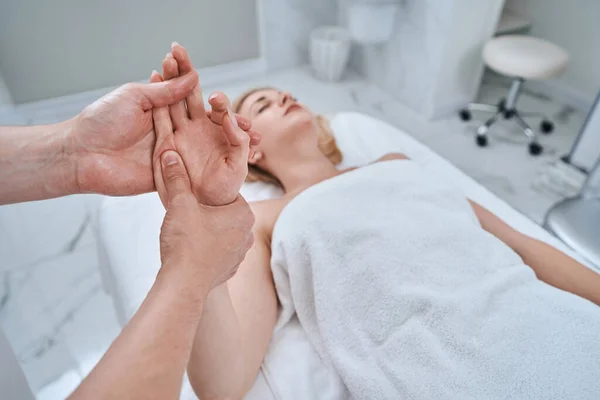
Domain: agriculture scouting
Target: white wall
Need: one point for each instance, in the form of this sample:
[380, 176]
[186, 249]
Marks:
[54, 48]
[459, 76]
[286, 26]
[432, 62]
[574, 25]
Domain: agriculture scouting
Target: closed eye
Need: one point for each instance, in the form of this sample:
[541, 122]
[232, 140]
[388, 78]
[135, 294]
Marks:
[263, 108]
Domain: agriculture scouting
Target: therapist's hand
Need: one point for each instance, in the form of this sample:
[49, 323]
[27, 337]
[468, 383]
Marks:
[112, 140]
[198, 242]
[213, 147]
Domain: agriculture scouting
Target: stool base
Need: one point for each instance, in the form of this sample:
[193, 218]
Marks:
[507, 109]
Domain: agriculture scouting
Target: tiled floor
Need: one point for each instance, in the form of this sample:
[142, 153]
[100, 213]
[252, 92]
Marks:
[52, 305]
[56, 315]
[505, 166]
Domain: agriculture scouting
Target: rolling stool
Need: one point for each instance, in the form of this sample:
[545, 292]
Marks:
[520, 57]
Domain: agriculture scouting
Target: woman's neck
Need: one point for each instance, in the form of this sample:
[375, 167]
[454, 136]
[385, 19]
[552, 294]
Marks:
[306, 171]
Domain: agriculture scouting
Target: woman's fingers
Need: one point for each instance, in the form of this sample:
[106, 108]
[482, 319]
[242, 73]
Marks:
[255, 137]
[178, 112]
[195, 103]
[160, 115]
[239, 140]
[220, 104]
[221, 109]
[163, 131]
[243, 122]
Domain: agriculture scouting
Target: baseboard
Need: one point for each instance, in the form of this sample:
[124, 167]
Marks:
[209, 76]
[560, 91]
[449, 109]
[556, 90]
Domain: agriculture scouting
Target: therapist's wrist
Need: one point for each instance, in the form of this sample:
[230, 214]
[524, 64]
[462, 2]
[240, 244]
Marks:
[59, 172]
[186, 279]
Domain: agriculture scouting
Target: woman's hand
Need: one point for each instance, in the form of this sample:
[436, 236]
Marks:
[112, 139]
[200, 243]
[214, 147]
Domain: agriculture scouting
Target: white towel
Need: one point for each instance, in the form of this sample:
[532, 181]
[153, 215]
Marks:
[405, 296]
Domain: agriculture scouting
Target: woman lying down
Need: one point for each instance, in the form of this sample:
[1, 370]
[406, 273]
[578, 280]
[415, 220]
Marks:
[404, 287]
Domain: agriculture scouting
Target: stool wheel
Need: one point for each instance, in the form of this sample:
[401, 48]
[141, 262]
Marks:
[482, 141]
[546, 126]
[535, 148]
[465, 114]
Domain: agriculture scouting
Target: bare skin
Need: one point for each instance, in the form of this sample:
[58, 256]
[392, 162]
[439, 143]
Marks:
[204, 238]
[239, 316]
[110, 148]
[106, 149]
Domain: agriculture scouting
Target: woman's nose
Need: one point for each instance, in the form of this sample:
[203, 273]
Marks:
[284, 98]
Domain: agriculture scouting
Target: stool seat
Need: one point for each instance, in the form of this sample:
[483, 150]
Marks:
[525, 57]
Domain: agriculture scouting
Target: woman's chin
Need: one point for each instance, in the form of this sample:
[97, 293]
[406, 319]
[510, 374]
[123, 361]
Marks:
[300, 118]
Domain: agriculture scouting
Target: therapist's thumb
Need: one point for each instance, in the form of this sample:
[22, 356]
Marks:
[160, 94]
[175, 176]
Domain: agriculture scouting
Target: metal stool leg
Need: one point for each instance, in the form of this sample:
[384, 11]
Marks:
[534, 147]
[546, 125]
[513, 94]
[482, 107]
[481, 137]
[526, 128]
[465, 113]
[507, 108]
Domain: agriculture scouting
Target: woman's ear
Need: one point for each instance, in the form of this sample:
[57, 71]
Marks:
[255, 158]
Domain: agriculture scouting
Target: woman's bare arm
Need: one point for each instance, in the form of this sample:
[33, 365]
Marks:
[236, 328]
[549, 264]
[199, 249]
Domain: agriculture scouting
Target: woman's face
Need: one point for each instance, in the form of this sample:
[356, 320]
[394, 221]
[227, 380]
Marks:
[281, 120]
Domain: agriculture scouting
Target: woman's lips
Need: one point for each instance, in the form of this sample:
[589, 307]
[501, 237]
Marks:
[292, 108]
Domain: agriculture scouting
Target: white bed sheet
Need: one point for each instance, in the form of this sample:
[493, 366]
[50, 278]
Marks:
[128, 228]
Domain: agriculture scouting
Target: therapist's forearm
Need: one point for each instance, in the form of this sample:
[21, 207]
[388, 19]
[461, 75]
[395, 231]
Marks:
[36, 163]
[148, 359]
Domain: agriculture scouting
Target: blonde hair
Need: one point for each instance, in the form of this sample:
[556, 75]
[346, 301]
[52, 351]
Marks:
[326, 143]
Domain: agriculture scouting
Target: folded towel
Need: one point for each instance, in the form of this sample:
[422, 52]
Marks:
[405, 296]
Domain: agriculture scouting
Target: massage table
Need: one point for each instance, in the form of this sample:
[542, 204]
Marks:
[127, 231]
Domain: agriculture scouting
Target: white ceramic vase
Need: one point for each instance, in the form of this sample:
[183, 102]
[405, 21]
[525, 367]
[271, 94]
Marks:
[329, 52]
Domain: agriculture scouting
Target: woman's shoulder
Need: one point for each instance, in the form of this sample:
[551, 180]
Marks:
[266, 206]
[386, 157]
[392, 156]
[266, 212]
